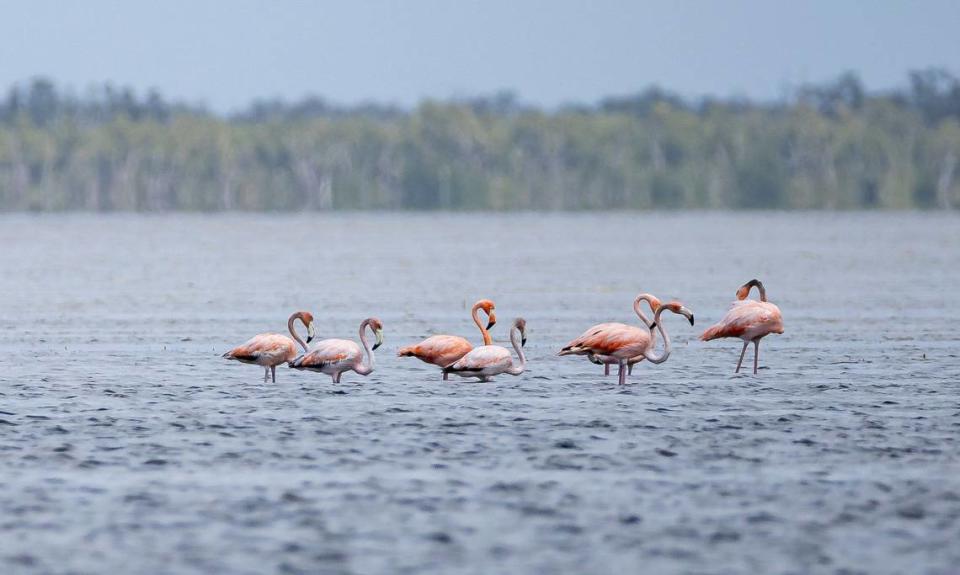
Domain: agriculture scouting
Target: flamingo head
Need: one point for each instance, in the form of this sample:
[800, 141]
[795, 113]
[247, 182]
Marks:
[307, 319]
[521, 325]
[488, 308]
[744, 290]
[377, 326]
[678, 308]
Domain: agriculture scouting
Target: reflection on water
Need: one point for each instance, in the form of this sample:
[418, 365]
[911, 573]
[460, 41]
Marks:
[128, 444]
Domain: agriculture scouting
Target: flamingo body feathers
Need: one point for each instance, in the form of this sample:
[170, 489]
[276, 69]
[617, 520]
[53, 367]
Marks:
[266, 349]
[440, 350]
[747, 320]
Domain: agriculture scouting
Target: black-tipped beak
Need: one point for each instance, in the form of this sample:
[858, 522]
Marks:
[691, 320]
[491, 323]
[653, 326]
[309, 338]
[523, 342]
[376, 345]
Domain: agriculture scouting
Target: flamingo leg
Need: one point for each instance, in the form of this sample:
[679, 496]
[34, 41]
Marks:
[266, 374]
[629, 369]
[756, 354]
[623, 372]
[742, 351]
[336, 378]
[606, 369]
[445, 376]
[273, 373]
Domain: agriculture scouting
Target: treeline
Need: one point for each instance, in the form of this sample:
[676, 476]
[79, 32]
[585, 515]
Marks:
[832, 146]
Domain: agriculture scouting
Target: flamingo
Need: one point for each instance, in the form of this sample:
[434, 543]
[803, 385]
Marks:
[272, 349]
[335, 356]
[486, 361]
[443, 350]
[654, 304]
[748, 319]
[620, 343]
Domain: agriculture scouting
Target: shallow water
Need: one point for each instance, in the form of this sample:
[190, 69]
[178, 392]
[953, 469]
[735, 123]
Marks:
[128, 445]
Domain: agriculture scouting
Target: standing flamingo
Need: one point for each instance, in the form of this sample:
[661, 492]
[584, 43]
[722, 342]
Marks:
[620, 343]
[272, 349]
[748, 319]
[443, 350]
[654, 304]
[335, 356]
[487, 361]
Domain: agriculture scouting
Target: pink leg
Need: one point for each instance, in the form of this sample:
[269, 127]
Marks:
[606, 369]
[266, 374]
[623, 372]
[756, 355]
[742, 351]
[273, 373]
[629, 369]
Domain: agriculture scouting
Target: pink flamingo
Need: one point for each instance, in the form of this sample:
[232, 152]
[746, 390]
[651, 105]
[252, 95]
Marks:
[654, 304]
[486, 361]
[335, 356]
[443, 350]
[620, 343]
[271, 349]
[750, 320]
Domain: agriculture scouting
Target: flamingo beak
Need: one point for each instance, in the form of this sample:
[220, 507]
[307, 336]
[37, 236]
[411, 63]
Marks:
[687, 313]
[523, 341]
[310, 333]
[492, 321]
[379, 333]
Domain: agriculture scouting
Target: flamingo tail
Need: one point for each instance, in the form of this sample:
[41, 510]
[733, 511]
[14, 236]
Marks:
[713, 332]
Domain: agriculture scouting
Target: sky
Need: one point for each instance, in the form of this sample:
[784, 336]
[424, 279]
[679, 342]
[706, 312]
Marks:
[227, 53]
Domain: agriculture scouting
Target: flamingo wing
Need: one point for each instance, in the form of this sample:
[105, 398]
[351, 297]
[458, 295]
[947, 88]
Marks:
[439, 350]
[328, 353]
[617, 339]
[485, 357]
[747, 319]
[265, 348]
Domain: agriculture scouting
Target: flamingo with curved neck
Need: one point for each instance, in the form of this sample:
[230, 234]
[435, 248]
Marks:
[443, 350]
[271, 349]
[486, 361]
[750, 320]
[654, 304]
[335, 356]
[621, 343]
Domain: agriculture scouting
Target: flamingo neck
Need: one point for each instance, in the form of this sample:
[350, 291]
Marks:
[475, 312]
[636, 308]
[755, 284]
[293, 331]
[653, 357]
[364, 369]
[515, 340]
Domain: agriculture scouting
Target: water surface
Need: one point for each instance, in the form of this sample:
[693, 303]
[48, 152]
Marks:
[128, 445]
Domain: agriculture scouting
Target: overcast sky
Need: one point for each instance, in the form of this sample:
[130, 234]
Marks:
[226, 53]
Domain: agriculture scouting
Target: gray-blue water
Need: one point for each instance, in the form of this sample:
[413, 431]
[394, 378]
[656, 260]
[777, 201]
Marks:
[128, 445]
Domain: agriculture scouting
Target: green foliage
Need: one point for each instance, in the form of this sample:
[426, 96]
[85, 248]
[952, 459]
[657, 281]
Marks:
[834, 147]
